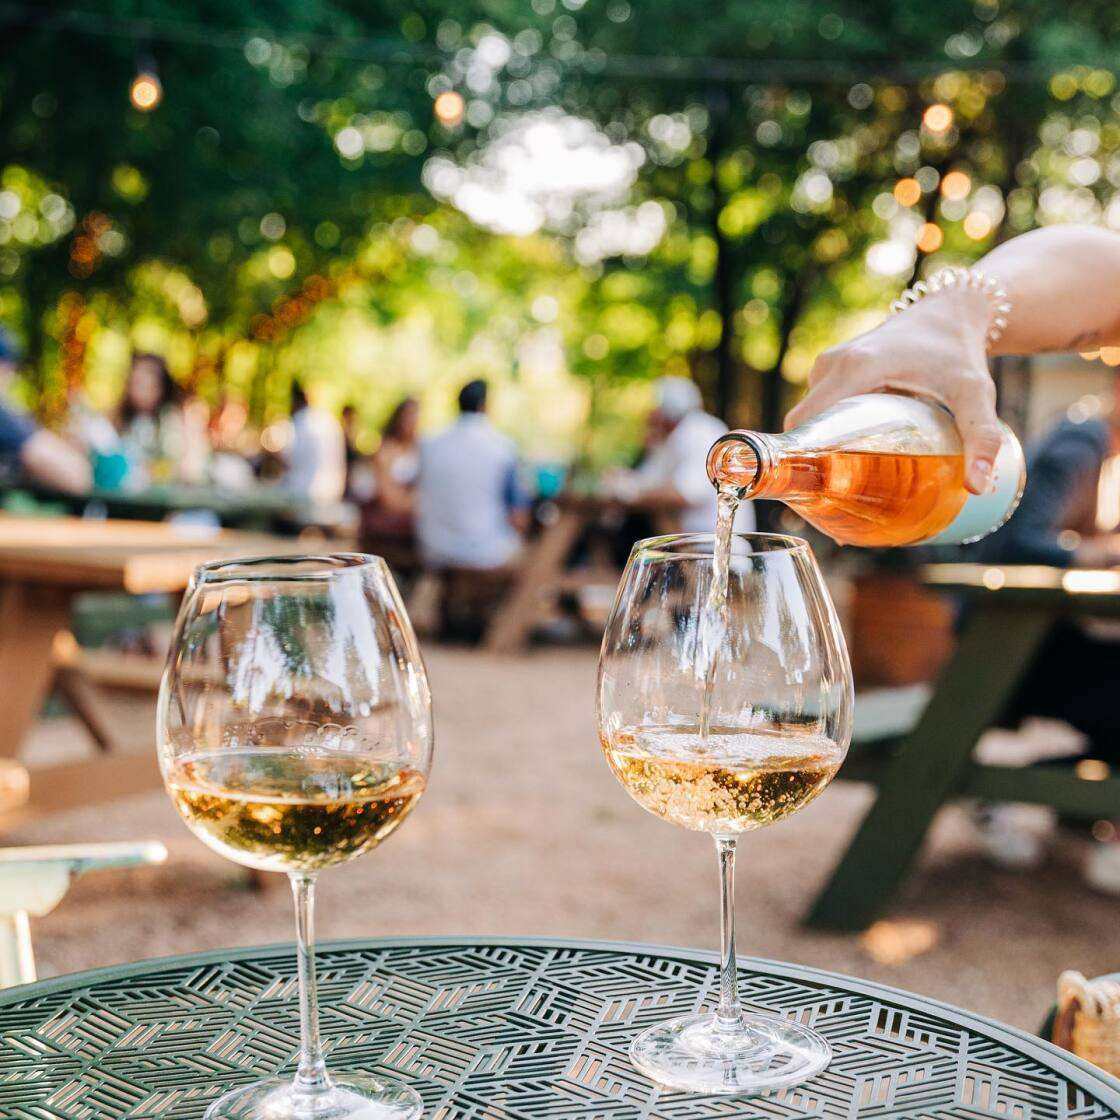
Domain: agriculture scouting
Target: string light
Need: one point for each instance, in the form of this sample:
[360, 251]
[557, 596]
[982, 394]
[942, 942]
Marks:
[977, 225]
[930, 238]
[145, 93]
[956, 185]
[907, 192]
[448, 108]
[938, 117]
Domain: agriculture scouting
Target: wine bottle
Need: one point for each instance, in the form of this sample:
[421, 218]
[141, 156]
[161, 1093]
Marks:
[877, 470]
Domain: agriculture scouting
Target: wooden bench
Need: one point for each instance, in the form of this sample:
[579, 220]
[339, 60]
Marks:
[45, 563]
[918, 770]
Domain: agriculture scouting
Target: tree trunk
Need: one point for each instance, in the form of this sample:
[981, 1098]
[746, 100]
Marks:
[724, 278]
[772, 412]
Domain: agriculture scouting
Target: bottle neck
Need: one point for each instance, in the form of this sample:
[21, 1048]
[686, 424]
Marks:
[745, 462]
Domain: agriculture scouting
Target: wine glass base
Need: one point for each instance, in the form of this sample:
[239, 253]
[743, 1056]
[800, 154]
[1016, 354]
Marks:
[351, 1097]
[695, 1054]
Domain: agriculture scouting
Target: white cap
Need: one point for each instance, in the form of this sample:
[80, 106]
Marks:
[677, 397]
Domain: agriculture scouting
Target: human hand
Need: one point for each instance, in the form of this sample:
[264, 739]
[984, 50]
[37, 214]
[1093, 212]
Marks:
[935, 348]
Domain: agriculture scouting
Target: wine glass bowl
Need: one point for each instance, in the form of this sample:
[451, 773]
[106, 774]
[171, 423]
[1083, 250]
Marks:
[294, 734]
[724, 705]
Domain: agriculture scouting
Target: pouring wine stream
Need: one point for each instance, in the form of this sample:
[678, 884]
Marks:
[713, 627]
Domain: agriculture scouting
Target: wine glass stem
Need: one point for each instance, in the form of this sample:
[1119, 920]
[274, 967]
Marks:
[729, 1014]
[311, 1073]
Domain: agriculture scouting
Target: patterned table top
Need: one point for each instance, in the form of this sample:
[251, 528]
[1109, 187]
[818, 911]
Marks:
[505, 1030]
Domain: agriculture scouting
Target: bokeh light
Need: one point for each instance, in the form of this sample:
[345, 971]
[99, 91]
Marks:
[977, 225]
[145, 93]
[938, 117]
[956, 185]
[930, 237]
[449, 108]
[907, 192]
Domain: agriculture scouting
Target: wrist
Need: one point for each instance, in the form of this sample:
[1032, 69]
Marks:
[967, 301]
[960, 312]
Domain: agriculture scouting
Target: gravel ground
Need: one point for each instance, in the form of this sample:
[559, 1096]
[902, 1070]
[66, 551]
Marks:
[524, 831]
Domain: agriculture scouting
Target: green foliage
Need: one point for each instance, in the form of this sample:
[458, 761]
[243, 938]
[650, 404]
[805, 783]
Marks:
[270, 219]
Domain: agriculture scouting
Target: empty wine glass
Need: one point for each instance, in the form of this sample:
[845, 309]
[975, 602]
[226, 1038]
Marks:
[294, 733]
[722, 713]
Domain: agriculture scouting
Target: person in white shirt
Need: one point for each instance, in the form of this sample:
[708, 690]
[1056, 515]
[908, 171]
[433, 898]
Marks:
[673, 478]
[469, 509]
[317, 455]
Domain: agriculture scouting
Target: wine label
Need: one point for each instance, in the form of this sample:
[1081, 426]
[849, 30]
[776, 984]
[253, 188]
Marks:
[982, 514]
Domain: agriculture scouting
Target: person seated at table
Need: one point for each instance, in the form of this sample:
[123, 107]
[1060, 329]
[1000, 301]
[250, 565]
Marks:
[939, 347]
[163, 428]
[1056, 521]
[316, 458]
[672, 480]
[359, 473]
[388, 509]
[1074, 675]
[232, 445]
[470, 512]
[28, 449]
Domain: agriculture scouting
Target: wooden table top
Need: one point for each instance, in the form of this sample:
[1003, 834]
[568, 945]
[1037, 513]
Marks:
[133, 556]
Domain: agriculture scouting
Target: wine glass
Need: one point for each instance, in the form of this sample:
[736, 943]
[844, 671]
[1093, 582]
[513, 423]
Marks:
[294, 733]
[721, 714]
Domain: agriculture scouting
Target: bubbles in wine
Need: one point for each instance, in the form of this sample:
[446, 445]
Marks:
[285, 809]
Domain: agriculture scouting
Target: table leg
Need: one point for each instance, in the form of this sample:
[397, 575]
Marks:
[535, 586]
[30, 617]
[17, 961]
[995, 650]
[83, 698]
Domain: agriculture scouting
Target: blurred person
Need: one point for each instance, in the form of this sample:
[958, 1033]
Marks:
[148, 392]
[672, 477]
[45, 458]
[231, 446]
[395, 466]
[470, 512]
[163, 428]
[1074, 674]
[316, 457]
[359, 472]
[1056, 521]
[40, 455]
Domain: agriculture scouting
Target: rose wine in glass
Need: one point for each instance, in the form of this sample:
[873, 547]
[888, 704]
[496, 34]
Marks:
[294, 731]
[724, 705]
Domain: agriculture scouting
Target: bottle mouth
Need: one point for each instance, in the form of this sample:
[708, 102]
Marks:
[737, 461]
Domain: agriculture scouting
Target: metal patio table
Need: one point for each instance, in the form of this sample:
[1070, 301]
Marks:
[502, 1029]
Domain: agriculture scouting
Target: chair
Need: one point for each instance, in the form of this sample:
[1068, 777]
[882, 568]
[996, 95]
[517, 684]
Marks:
[33, 882]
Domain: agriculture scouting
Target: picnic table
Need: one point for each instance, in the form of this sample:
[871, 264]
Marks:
[44, 564]
[920, 755]
[503, 1029]
[544, 573]
[260, 509]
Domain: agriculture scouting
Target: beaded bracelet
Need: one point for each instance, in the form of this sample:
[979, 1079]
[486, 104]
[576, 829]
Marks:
[957, 277]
